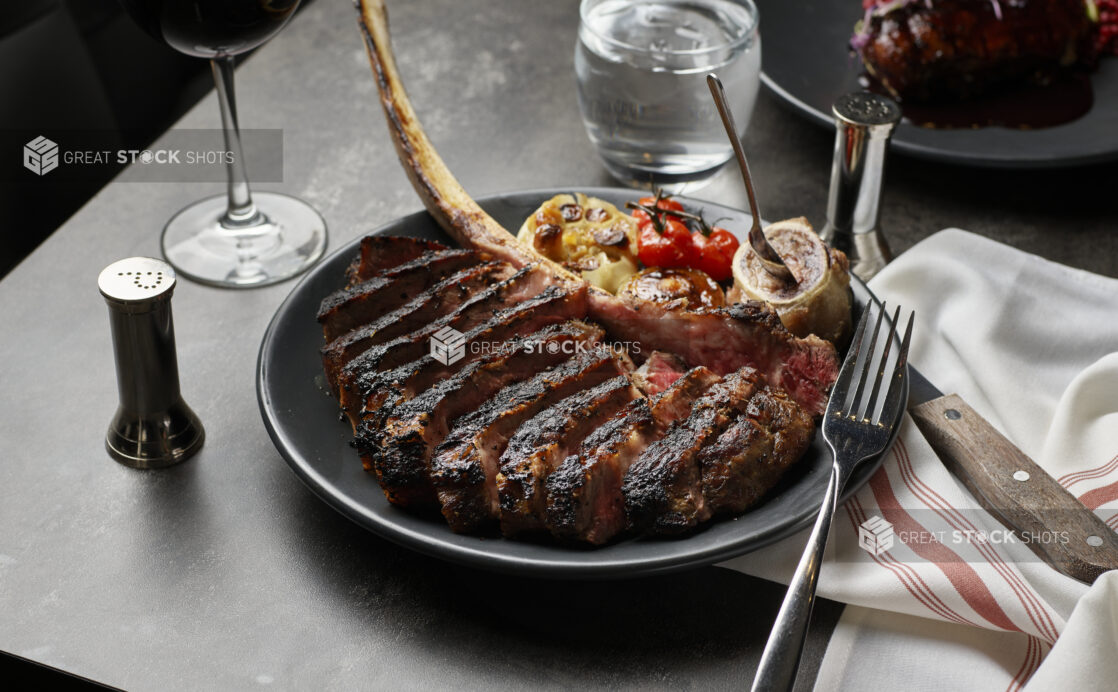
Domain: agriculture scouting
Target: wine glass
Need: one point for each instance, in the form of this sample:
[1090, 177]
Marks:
[240, 239]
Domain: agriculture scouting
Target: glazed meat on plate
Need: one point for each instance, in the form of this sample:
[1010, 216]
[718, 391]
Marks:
[923, 50]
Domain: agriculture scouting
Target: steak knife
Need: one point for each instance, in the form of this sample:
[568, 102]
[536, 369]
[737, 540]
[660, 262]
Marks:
[1010, 485]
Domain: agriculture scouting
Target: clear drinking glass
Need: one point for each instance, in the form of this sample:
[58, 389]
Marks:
[641, 69]
[236, 240]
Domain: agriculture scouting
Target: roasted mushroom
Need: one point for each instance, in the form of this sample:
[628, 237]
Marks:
[673, 288]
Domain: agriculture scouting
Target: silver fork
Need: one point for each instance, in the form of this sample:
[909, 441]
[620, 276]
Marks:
[855, 431]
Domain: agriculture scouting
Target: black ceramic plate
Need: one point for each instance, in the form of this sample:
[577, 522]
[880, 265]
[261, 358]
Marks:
[302, 419]
[807, 64]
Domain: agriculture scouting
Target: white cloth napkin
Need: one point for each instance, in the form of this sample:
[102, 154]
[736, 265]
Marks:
[1033, 347]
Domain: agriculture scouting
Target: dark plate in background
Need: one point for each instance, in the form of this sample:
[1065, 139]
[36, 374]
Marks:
[807, 64]
[302, 419]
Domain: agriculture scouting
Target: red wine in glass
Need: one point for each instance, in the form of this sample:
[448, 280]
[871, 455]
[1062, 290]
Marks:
[239, 239]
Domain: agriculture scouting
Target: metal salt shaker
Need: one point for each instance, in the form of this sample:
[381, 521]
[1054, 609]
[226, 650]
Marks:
[153, 427]
[865, 121]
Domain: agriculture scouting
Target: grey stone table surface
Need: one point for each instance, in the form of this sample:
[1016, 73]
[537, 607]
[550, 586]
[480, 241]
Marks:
[225, 572]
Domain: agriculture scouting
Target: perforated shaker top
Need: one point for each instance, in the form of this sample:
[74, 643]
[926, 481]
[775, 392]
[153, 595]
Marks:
[136, 281]
[867, 108]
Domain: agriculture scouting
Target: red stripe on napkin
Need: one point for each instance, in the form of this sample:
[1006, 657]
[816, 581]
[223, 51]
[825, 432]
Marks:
[1070, 479]
[1098, 497]
[1034, 606]
[961, 575]
[906, 575]
[1033, 657]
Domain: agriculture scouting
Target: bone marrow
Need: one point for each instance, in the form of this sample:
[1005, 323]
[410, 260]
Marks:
[819, 301]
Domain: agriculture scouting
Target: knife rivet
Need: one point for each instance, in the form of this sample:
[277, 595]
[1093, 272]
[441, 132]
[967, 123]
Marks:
[952, 414]
[1094, 541]
[1020, 475]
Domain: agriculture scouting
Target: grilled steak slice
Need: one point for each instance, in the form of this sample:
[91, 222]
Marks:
[541, 443]
[443, 298]
[405, 434]
[490, 318]
[749, 457]
[658, 372]
[730, 338]
[523, 283]
[349, 308]
[723, 340]
[584, 499]
[959, 48]
[382, 389]
[464, 467]
[663, 488]
[381, 252]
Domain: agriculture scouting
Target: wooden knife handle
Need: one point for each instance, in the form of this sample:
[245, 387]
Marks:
[1017, 491]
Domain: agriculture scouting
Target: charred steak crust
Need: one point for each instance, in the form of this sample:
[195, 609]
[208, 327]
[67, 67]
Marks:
[361, 373]
[349, 308]
[663, 487]
[382, 372]
[584, 498]
[464, 467]
[754, 451]
[406, 433]
[541, 443]
[381, 252]
[441, 299]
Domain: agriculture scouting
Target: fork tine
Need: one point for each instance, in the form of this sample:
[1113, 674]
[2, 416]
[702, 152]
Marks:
[842, 382]
[893, 397]
[864, 366]
[889, 336]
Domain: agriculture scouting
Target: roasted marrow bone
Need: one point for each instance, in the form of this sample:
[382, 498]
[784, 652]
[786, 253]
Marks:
[819, 302]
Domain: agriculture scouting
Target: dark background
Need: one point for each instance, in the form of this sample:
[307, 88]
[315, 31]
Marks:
[81, 65]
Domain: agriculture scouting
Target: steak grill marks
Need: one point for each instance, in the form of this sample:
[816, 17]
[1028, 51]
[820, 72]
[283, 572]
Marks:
[584, 498]
[750, 455]
[349, 308]
[379, 253]
[464, 467]
[538, 424]
[406, 433]
[544, 441]
[663, 488]
[374, 384]
[360, 375]
[442, 298]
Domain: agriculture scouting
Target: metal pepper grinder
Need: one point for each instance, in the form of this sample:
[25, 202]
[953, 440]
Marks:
[865, 121]
[153, 427]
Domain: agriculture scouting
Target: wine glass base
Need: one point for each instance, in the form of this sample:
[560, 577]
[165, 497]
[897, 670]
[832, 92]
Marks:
[290, 239]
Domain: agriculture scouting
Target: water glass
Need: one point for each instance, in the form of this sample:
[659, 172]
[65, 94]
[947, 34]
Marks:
[641, 69]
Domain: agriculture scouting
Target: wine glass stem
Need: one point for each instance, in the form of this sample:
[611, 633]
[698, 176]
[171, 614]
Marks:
[241, 211]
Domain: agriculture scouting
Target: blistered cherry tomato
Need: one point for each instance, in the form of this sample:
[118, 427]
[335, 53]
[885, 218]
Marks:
[709, 258]
[725, 241]
[672, 248]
